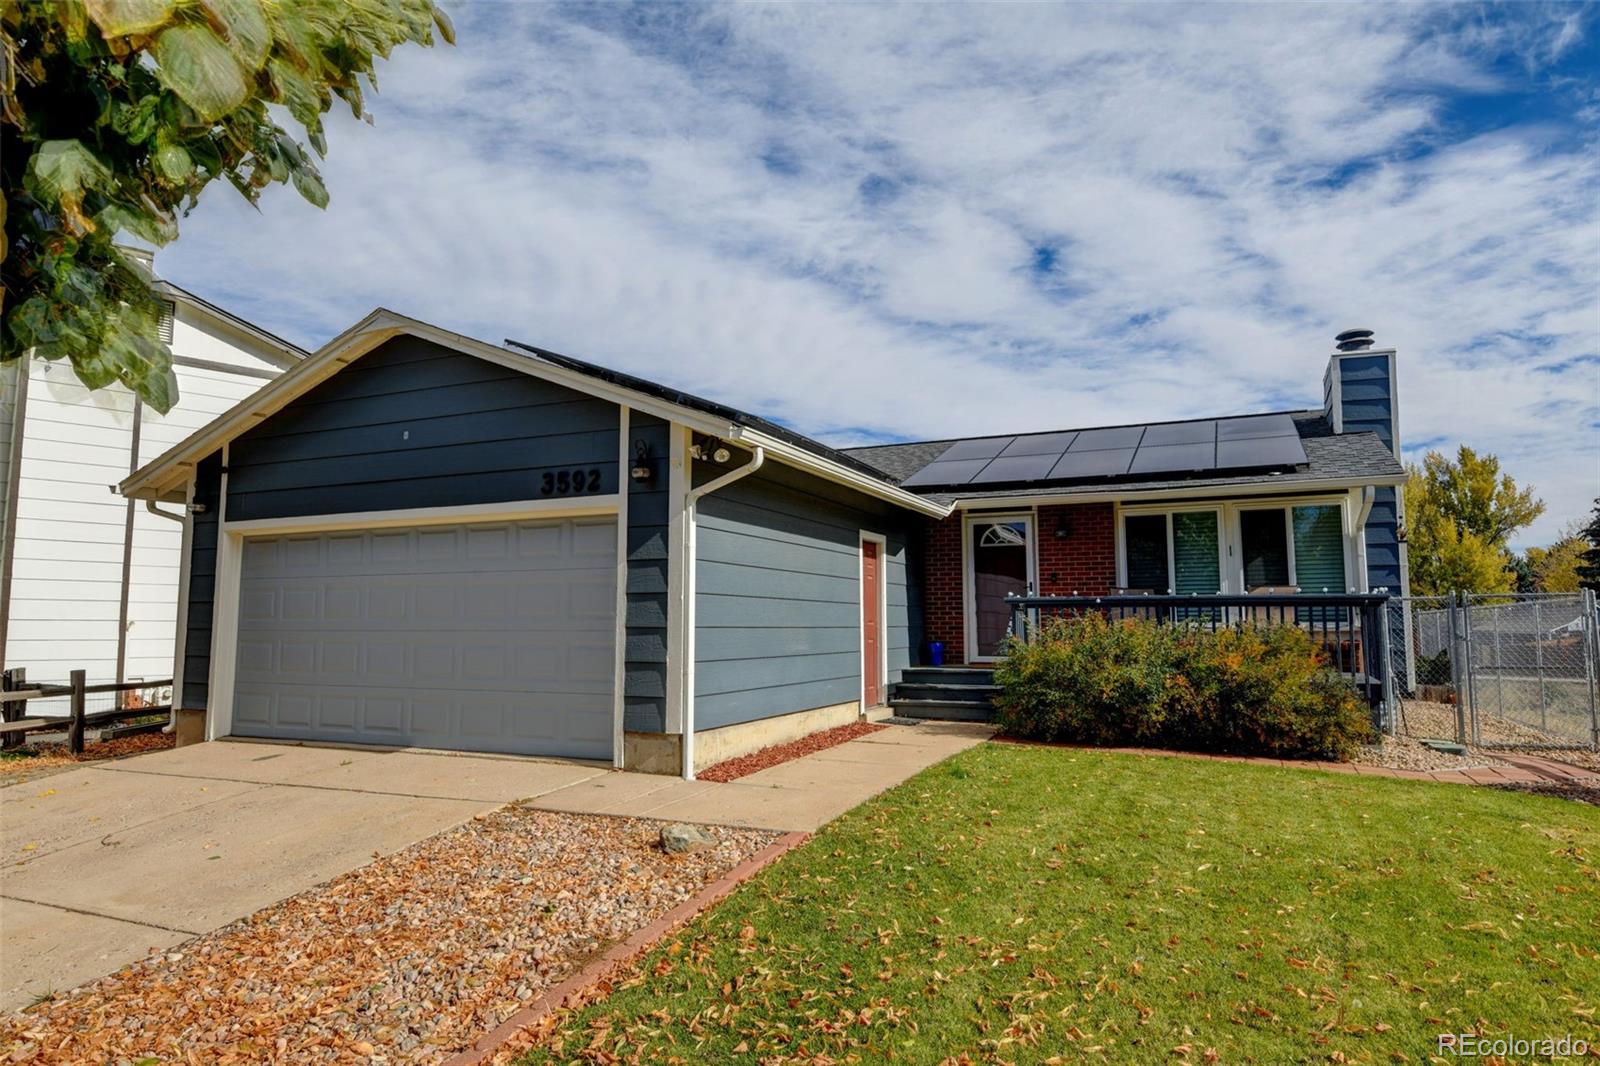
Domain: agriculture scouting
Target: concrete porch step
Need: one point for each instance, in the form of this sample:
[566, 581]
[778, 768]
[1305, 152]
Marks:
[944, 710]
[921, 690]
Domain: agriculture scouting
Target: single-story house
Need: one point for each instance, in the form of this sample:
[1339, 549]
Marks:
[415, 538]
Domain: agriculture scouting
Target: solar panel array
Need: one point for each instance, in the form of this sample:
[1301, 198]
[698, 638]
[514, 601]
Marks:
[1253, 442]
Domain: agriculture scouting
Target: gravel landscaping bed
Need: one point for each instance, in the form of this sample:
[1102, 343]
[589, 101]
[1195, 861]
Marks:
[733, 769]
[407, 959]
[1421, 718]
[1408, 753]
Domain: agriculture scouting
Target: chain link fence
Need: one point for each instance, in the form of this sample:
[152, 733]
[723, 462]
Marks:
[1498, 669]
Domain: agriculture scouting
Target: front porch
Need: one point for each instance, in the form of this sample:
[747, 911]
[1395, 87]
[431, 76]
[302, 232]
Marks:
[978, 561]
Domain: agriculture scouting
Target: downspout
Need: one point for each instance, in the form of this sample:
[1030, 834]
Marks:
[183, 608]
[1369, 493]
[758, 455]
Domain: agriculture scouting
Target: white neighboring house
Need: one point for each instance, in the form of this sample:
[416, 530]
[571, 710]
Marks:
[89, 579]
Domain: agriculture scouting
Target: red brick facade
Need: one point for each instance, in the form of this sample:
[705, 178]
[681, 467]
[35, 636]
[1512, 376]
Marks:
[1082, 559]
[1077, 550]
[942, 581]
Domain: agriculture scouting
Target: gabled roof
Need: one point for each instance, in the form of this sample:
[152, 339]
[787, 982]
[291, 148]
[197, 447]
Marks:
[164, 477]
[290, 353]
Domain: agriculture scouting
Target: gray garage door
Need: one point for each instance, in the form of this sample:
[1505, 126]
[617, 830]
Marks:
[483, 637]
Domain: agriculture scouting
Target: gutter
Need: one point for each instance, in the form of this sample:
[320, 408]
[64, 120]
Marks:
[838, 472]
[758, 456]
[1204, 492]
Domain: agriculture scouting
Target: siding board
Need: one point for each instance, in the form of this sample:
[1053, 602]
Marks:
[778, 595]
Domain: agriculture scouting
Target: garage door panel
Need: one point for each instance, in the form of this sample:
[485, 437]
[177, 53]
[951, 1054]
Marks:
[494, 637]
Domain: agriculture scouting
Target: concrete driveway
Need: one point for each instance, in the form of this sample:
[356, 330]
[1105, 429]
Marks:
[105, 863]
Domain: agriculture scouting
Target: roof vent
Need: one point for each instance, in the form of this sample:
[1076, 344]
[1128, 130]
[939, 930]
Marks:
[1354, 340]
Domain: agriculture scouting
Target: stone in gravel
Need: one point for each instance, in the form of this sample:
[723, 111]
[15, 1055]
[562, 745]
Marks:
[679, 838]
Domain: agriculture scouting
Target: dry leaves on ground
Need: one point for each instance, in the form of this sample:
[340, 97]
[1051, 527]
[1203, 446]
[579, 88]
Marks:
[40, 759]
[733, 769]
[405, 960]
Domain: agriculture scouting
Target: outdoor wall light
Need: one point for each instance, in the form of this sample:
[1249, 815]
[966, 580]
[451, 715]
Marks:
[641, 461]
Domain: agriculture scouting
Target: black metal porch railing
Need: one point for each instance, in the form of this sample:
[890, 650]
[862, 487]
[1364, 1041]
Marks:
[1349, 626]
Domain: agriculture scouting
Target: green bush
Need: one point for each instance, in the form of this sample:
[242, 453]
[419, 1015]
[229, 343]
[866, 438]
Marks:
[1248, 690]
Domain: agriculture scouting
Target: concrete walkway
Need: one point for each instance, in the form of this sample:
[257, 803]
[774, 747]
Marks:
[105, 863]
[800, 795]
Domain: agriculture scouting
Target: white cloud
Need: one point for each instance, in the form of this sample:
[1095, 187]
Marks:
[837, 215]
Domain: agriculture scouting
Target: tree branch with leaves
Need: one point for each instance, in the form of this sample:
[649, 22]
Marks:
[116, 114]
[1460, 516]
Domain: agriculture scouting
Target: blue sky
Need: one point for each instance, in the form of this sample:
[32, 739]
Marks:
[879, 222]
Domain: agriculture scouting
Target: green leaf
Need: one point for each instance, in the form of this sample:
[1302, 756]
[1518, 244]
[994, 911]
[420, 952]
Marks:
[297, 92]
[61, 172]
[246, 28]
[122, 18]
[199, 68]
[309, 182]
[173, 163]
[146, 225]
[447, 29]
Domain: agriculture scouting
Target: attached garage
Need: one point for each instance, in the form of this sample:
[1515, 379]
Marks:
[495, 636]
[416, 539]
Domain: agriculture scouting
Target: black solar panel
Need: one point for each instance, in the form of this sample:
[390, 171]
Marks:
[1040, 444]
[982, 448]
[1174, 458]
[1096, 439]
[1105, 462]
[956, 472]
[1260, 451]
[1168, 448]
[1179, 433]
[1015, 468]
[1256, 426]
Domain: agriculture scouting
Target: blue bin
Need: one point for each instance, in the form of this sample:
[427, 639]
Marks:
[935, 653]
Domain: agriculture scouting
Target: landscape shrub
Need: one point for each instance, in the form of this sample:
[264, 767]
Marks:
[1264, 690]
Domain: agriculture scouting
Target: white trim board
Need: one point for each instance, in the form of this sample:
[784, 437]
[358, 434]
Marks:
[619, 670]
[969, 600]
[515, 510]
[864, 536]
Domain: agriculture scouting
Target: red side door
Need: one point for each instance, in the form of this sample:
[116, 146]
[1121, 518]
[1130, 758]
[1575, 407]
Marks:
[872, 622]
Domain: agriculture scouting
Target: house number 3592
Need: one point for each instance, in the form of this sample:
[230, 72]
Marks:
[567, 482]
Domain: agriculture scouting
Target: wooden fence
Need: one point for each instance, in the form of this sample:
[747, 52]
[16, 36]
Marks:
[16, 692]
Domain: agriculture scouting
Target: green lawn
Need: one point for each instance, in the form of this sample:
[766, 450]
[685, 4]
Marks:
[1021, 904]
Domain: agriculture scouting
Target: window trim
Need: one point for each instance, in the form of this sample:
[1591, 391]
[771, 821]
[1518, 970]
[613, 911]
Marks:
[1230, 541]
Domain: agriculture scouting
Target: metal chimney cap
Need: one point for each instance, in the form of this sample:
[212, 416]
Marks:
[1354, 340]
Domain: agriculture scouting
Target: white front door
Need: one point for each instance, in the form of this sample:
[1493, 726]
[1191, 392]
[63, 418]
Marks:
[999, 553]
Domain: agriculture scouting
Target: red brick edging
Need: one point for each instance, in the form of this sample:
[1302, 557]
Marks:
[576, 989]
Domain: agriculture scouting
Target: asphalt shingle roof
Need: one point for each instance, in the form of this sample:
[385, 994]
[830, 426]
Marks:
[1329, 455]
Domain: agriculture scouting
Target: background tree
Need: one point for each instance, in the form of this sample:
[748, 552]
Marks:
[116, 114]
[1460, 516]
[1555, 569]
[1589, 566]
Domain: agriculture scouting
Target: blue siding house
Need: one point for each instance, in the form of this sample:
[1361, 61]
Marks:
[415, 538]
